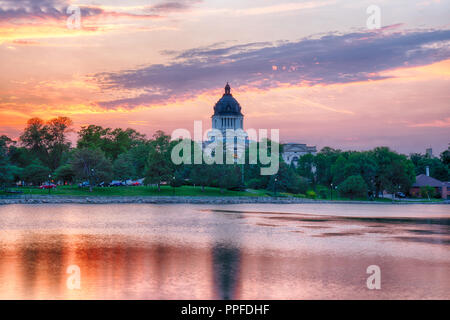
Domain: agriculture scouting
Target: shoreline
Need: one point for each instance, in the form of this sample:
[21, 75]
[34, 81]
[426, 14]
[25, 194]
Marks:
[38, 199]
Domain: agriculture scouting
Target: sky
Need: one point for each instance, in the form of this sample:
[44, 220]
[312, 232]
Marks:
[312, 69]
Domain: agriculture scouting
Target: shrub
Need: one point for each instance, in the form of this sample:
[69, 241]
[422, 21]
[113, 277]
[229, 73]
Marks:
[323, 193]
[427, 192]
[353, 186]
[311, 194]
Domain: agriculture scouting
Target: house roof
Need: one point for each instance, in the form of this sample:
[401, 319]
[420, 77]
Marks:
[423, 180]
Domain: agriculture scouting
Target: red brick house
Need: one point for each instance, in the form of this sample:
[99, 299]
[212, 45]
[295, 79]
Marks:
[423, 180]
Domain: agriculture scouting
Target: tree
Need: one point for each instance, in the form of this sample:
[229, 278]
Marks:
[64, 173]
[438, 169]
[123, 167]
[324, 161]
[56, 140]
[394, 171]
[288, 180]
[201, 175]
[445, 157]
[112, 142]
[21, 156]
[427, 192]
[139, 156]
[228, 176]
[34, 137]
[36, 173]
[159, 164]
[305, 167]
[6, 170]
[91, 165]
[353, 186]
[47, 140]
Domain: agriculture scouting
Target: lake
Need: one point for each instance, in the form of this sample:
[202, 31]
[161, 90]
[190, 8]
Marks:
[244, 251]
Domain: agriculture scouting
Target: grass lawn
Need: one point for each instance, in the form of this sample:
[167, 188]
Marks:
[181, 191]
[138, 191]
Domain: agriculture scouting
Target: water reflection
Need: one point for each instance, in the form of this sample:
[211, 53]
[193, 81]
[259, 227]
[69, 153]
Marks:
[191, 252]
[226, 256]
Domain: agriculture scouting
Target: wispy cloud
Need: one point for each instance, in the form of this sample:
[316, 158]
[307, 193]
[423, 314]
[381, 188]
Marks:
[433, 124]
[34, 19]
[330, 59]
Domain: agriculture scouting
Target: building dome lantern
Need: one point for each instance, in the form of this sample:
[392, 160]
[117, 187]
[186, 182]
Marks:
[228, 89]
[227, 112]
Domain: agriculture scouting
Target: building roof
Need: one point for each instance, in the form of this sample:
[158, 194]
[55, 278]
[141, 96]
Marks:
[298, 147]
[423, 180]
[227, 105]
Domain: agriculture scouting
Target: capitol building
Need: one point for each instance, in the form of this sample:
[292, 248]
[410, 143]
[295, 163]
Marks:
[228, 115]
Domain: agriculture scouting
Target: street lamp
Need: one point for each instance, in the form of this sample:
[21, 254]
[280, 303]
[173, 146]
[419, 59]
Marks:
[275, 187]
[90, 180]
[331, 192]
[173, 185]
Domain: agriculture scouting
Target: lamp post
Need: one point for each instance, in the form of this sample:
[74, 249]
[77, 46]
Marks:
[331, 192]
[91, 178]
[173, 185]
[275, 187]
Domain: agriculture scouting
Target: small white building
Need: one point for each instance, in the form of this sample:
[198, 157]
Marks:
[293, 151]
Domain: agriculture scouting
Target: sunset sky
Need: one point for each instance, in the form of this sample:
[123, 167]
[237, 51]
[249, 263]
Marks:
[309, 68]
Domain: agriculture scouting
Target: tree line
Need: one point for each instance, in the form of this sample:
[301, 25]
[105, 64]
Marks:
[44, 153]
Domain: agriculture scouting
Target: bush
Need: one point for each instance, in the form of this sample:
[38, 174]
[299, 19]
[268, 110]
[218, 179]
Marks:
[427, 192]
[311, 194]
[323, 193]
[255, 184]
[353, 186]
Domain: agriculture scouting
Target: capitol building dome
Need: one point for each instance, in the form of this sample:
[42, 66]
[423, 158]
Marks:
[227, 105]
[227, 113]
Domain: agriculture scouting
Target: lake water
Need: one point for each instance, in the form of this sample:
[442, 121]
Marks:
[246, 251]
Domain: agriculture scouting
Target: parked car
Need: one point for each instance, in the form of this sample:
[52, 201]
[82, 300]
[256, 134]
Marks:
[400, 195]
[116, 183]
[136, 183]
[48, 186]
[84, 184]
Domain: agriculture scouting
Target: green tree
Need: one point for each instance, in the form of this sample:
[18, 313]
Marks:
[21, 156]
[112, 142]
[47, 140]
[445, 157]
[123, 167]
[91, 165]
[324, 161]
[305, 167]
[64, 173]
[6, 170]
[56, 141]
[394, 171]
[438, 169]
[34, 137]
[427, 192]
[228, 176]
[139, 156]
[288, 180]
[353, 186]
[159, 164]
[201, 175]
[36, 173]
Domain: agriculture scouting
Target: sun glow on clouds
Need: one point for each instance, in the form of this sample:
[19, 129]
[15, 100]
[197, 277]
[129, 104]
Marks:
[350, 113]
[345, 89]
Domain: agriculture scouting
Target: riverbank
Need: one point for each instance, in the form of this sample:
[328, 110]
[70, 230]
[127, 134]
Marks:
[49, 199]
